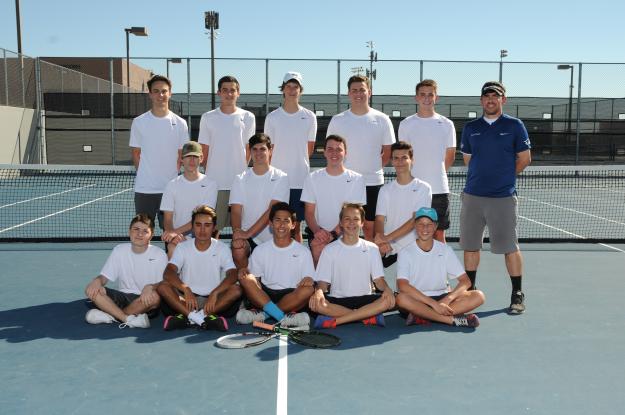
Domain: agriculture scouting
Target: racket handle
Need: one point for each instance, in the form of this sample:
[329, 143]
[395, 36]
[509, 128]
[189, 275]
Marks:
[262, 325]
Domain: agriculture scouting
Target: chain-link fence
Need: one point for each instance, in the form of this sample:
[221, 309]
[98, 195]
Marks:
[575, 112]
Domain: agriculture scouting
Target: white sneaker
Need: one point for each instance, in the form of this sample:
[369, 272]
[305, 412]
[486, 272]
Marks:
[136, 321]
[95, 316]
[248, 316]
[296, 320]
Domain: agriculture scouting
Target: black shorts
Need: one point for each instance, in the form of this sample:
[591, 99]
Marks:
[440, 203]
[353, 303]
[150, 204]
[275, 295]
[372, 201]
[296, 204]
[201, 299]
[123, 300]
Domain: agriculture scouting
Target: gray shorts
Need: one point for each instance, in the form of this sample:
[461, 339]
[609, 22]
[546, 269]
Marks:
[223, 209]
[498, 213]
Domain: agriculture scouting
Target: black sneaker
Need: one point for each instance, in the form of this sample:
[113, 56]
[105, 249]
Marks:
[175, 322]
[517, 303]
[212, 322]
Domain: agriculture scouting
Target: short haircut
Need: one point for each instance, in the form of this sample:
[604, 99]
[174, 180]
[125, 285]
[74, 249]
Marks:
[158, 78]
[401, 145]
[143, 218]
[301, 87]
[358, 78]
[282, 206]
[337, 138]
[356, 206]
[204, 210]
[427, 82]
[228, 78]
[260, 138]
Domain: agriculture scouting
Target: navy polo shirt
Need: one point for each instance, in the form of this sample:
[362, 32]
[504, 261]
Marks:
[493, 149]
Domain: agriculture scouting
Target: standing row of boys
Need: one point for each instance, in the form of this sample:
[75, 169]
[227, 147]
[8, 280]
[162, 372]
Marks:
[267, 273]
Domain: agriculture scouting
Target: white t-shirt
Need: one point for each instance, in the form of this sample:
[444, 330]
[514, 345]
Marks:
[365, 136]
[329, 193]
[159, 139]
[226, 135]
[350, 269]
[254, 193]
[201, 271]
[134, 271]
[429, 271]
[280, 268]
[290, 135]
[182, 196]
[398, 203]
[430, 138]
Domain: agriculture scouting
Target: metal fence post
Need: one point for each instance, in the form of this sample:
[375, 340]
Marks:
[22, 81]
[338, 86]
[6, 76]
[189, 95]
[266, 86]
[420, 70]
[112, 92]
[40, 120]
[579, 99]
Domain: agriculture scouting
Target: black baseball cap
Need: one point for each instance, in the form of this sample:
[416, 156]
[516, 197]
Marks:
[494, 86]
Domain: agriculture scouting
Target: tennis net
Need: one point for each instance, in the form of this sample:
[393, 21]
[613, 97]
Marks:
[90, 203]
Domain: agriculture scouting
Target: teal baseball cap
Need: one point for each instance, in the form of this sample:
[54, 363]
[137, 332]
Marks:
[426, 212]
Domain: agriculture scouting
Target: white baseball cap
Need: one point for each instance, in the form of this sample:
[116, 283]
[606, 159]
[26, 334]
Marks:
[290, 76]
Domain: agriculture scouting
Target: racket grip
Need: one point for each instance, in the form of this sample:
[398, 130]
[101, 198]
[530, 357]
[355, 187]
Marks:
[262, 325]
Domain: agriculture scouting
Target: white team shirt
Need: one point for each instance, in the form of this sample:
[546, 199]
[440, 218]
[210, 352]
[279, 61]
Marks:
[429, 271]
[430, 138]
[290, 135]
[182, 196]
[134, 271]
[365, 136]
[350, 269]
[159, 139]
[226, 135]
[201, 271]
[329, 193]
[254, 193]
[398, 203]
[280, 268]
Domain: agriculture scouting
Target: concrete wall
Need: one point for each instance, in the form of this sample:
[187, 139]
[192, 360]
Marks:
[17, 133]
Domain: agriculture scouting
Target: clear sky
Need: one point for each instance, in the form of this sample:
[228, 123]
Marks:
[532, 30]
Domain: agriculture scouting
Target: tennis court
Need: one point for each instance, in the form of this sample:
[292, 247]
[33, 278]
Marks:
[561, 357]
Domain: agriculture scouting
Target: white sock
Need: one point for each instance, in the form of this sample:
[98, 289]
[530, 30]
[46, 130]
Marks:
[197, 317]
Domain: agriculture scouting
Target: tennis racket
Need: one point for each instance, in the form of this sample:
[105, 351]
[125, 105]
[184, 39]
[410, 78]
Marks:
[307, 338]
[243, 340]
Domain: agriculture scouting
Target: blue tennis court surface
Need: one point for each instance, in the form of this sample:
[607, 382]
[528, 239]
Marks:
[563, 356]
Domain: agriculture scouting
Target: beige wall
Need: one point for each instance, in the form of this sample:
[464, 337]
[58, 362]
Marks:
[18, 129]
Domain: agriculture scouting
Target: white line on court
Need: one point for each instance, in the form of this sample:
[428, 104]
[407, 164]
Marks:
[283, 376]
[568, 233]
[43, 197]
[572, 210]
[63, 211]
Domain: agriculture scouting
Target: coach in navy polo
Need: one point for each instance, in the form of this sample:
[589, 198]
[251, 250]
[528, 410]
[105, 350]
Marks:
[495, 147]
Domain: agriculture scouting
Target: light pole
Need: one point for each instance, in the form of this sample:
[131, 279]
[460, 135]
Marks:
[502, 54]
[18, 26]
[137, 31]
[172, 60]
[211, 22]
[371, 74]
[568, 127]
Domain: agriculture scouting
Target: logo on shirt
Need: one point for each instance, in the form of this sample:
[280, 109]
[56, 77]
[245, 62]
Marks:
[273, 179]
[527, 142]
[151, 259]
[348, 180]
[295, 255]
[202, 185]
[504, 133]
[474, 134]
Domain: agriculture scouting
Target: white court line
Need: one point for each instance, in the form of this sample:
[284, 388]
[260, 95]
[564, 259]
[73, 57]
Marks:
[43, 197]
[569, 233]
[572, 210]
[63, 211]
[283, 377]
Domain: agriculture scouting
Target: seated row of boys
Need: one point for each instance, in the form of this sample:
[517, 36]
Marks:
[280, 273]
